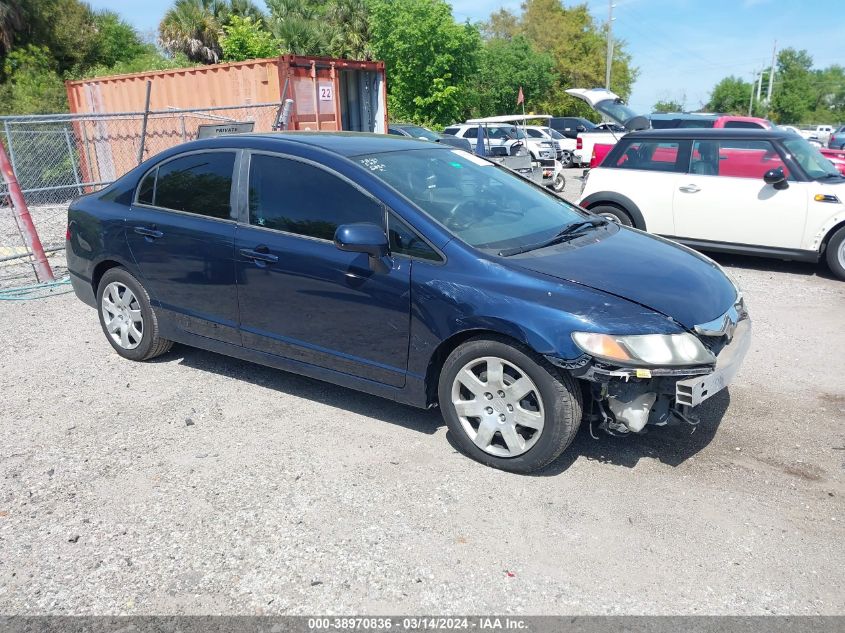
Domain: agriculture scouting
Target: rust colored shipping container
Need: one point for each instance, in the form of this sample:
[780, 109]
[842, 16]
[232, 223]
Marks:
[328, 94]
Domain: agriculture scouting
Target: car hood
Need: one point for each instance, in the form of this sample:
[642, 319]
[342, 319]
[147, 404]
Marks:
[648, 270]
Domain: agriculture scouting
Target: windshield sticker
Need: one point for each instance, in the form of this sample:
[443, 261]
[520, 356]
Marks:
[373, 164]
[472, 158]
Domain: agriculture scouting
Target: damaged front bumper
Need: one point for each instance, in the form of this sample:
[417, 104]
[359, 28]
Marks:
[626, 399]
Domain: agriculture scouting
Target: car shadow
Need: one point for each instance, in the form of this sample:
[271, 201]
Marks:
[422, 421]
[773, 265]
[671, 445]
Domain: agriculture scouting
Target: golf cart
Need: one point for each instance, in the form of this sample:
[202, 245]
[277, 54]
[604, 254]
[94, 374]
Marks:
[545, 170]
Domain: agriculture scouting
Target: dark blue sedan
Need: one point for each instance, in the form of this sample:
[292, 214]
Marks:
[420, 273]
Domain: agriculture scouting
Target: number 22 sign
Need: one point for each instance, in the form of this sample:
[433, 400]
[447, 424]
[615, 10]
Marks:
[326, 93]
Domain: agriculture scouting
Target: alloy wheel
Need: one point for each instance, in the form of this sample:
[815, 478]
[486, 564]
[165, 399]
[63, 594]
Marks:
[122, 316]
[499, 406]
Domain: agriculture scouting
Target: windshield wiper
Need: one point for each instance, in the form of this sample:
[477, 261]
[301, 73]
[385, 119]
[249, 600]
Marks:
[569, 232]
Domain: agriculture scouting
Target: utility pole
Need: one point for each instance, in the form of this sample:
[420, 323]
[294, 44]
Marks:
[609, 62]
[772, 73]
[759, 85]
[751, 100]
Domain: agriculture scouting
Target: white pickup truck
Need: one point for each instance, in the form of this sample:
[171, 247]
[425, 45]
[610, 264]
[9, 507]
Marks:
[611, 106]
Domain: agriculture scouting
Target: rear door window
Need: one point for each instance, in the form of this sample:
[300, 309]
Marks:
[296, 197]
[649, 156]
[197, 183]
[735, 158]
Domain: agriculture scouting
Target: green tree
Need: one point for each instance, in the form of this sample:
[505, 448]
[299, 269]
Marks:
[66, 27]
[349, 21]
[246, 38]
[431, 60]
[115, 40]
[193, 27]
[505, 66]
[502, 24]
[578, 48]
[33, 86]
[11, 23]
[668, 105]
[731, 96]
[299, 26]
[793, 96]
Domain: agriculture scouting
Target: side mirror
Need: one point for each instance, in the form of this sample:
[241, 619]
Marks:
[581, 128]
[776, 178]
[364, 238]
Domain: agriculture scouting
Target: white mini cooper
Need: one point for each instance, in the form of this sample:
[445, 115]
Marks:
[755, 192]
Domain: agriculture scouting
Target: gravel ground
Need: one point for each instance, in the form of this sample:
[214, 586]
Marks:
[201, 484]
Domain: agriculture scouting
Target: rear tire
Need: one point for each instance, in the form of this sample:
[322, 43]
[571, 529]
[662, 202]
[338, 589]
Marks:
[127, 318]
[559, 183]
[835, 254]
[481, 397]
[614, 214]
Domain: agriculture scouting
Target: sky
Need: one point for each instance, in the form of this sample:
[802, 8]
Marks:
[681, 47]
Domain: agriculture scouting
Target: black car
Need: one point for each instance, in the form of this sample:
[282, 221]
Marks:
[410, 130]
[571, 126]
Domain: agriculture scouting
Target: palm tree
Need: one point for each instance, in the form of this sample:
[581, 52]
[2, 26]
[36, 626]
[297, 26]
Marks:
[350, 22]
[11, 22]
[299, 27]
[193, 27]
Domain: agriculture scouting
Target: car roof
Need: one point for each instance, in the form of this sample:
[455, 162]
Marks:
[710, 133]
[340, 143]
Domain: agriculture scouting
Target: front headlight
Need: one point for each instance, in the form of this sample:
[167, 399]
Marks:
[645, 349]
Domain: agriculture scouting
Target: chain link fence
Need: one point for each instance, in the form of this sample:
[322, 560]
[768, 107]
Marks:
[59, 157]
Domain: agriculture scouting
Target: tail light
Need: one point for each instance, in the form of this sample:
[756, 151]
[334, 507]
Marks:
[832, 138]
[67, 233]
[579, 143]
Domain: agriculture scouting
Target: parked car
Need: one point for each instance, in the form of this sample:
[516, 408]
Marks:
[505, 135]
[565, 146]
[694, 120]
[822, 133]
[412, 271]
[610, 127]
[410, 130]
[570, 126]
[755, 192]
[837, 139]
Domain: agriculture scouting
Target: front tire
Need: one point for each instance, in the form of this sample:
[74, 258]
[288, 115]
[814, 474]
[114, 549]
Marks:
[559, 183]
[566, 159]
[836, 254]
[614, 214]
[127, 318]
[506, 407]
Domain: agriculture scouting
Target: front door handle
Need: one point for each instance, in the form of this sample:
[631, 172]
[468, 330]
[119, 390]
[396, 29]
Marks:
[259, 254]
[149, 232]
[690, 189]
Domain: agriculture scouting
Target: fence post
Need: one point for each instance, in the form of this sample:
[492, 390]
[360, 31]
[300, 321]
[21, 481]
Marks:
[144, 123]
[9, 141]
[43, 272]
[73, 162]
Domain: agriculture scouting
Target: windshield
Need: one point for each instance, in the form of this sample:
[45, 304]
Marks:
[811, 160]
[420, 132]
[487, 207]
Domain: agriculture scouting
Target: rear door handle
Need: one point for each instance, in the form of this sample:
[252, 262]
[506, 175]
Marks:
[151, 232]
[259, 254]
[690, 189]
